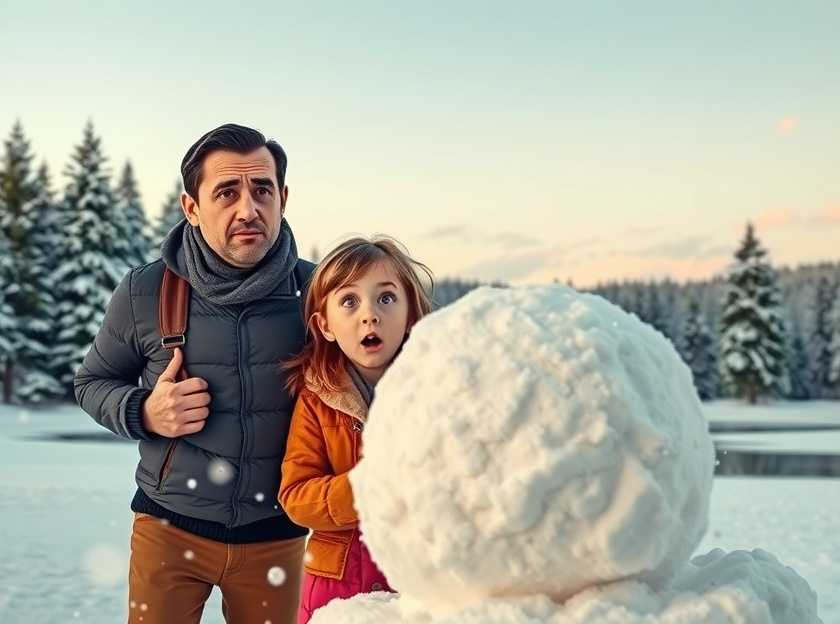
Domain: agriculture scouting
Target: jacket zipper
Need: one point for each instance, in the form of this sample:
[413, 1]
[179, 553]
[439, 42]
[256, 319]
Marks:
[167, 463]
[242, 416]
[234, 503]
[357, 430]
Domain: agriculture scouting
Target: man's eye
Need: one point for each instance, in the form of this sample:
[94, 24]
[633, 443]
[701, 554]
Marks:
[264, 191]
[226, 194]
[386, 298]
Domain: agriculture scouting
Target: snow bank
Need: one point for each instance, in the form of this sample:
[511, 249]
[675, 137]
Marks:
[718, 588]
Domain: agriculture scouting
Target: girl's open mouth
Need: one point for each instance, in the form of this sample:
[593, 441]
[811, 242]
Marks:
[371, 342]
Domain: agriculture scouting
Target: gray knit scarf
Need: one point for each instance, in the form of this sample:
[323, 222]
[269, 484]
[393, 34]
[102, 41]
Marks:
[187, 253]
[365, 389]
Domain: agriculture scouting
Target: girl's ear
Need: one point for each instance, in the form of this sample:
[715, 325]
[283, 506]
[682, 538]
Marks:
[321, 321]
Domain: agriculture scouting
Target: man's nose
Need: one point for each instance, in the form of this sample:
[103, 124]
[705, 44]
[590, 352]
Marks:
[246, 209]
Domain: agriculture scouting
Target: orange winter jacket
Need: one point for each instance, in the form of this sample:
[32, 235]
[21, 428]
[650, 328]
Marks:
[324, 443]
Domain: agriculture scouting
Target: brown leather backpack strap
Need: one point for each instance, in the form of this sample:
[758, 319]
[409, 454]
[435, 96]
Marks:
[173, 311]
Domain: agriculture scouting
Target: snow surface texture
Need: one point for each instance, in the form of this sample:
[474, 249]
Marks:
[536, 443]
[736, 588]
[64, 506]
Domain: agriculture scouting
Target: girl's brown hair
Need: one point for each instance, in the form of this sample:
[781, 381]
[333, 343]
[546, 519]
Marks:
[322, 359]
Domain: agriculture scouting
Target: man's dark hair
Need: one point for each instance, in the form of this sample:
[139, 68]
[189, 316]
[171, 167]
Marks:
[232, 138]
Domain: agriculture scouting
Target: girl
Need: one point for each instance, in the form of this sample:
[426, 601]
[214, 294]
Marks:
[362, 301]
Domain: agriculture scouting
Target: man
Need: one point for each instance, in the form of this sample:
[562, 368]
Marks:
[210, 445]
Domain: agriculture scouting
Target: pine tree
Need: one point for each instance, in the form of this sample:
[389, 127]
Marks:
[38, 381]
[8, 322]
[753, 332]
[800, 387]
[834, 349]
[697, 350]
[653, 311]
[171, 214]
[819, 338]
[90, 263]
[17, 187]
[132, 222]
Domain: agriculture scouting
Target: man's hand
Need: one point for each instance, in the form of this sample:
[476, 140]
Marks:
[176, 408]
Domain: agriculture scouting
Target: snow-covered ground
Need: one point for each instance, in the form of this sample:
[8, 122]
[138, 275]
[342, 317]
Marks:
[65, 521]
[788, 427]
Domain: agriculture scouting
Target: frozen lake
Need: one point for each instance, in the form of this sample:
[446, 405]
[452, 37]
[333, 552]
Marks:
[65, 493]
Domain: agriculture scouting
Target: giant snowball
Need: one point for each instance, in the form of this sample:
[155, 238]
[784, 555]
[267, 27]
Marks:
[532, 440]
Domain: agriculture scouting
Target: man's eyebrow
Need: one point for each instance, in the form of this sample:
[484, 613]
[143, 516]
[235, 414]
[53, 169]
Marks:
[263, 182]
[225, 184]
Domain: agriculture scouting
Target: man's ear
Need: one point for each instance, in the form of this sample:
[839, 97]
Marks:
[322, 325]
[284, 197]
[190, 208]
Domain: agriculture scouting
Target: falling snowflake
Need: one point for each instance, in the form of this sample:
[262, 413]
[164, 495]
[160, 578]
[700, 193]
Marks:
[220, 471]
[105, 565]
[192, 483]
[188, 554]
[276, 576]
[259, 496]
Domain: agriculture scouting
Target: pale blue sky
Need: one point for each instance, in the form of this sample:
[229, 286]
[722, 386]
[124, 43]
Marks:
[497, 141]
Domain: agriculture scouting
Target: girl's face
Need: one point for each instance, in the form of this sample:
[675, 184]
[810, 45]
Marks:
[368, 319]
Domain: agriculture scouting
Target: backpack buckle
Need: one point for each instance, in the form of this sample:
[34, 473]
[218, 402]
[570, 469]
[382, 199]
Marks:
[175, 340]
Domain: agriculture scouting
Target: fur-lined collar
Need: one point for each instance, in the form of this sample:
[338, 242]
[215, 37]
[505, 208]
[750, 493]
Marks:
[347, 400]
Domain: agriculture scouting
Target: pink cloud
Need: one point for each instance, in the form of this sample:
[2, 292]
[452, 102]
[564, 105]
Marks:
[787, 125]
[775, 217]
[784, 217]
[829, 216]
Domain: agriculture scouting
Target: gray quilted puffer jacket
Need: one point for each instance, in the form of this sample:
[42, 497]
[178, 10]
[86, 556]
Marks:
[237, 350]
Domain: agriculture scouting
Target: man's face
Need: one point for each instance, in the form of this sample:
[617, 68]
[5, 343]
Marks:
[239, 207]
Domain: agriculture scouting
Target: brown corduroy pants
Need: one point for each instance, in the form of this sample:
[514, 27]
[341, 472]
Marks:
[172, 573]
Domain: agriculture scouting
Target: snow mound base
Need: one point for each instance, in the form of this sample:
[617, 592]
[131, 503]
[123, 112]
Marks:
[532, 441]
[718, 588]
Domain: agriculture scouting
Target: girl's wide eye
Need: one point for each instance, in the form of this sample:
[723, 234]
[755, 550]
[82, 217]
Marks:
[348, 301]
[386, 298]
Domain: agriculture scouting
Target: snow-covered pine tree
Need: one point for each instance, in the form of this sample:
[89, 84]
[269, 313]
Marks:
[38, 219]
[131, 219]
[834, 349]
[8, 322]
[698, 351]
[17, 187]
[800, 387]
[753, 329]
[171, 214]
[90, 259]
[653, 310]
[818, 339]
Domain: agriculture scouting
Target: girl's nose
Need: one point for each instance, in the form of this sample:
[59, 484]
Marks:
[371, 319]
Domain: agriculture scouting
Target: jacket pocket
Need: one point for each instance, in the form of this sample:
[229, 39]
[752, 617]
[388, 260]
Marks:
[327, 554]
[166, 465]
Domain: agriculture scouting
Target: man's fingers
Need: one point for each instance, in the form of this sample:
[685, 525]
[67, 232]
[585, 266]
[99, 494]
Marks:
[173, 367]
[191, 427]
[191, 385]
[192, 401]
[191, 415]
